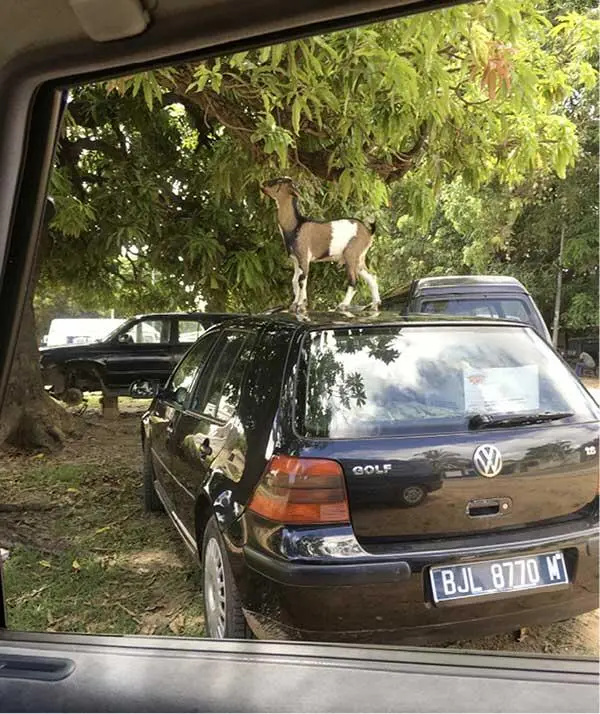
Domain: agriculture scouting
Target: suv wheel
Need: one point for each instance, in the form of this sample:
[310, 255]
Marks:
[152, 503]
[223, 614]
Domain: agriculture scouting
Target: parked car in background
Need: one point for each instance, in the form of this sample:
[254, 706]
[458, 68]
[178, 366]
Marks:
[497, 296]
[385, 478]
[79, 330]
[145, 347]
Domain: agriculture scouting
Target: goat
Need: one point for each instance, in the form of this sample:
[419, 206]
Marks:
[306, 240]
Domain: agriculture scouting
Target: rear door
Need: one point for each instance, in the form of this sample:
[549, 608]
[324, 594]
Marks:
[141, 351]
[208, 427]
[394, 406]
[167, 411]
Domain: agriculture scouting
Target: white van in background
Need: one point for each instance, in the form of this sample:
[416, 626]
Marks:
[78, 330]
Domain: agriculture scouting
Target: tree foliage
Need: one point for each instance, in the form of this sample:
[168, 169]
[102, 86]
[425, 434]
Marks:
[441, 126]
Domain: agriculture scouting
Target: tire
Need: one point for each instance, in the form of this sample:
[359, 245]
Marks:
[152, 503]
[223, 616]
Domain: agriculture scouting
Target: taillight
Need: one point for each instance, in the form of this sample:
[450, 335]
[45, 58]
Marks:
[307, 491]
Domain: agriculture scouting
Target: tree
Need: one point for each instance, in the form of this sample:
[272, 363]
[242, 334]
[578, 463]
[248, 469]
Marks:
[29, 417]
[375, 121]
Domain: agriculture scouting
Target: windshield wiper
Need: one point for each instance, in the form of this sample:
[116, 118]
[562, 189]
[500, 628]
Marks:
[489, 421]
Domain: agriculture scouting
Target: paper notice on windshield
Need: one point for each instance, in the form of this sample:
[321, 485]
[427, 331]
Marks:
[501, 390]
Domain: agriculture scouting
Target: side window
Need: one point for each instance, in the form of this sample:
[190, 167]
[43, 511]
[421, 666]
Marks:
[183, 377]
[232, 386]
[218, 389]
[189, 330]
[147, 332]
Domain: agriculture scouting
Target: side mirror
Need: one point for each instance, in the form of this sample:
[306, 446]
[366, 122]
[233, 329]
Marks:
[143, 389]
[181, 395]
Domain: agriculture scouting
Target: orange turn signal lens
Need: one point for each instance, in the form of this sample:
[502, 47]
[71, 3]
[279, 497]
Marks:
[301, 491]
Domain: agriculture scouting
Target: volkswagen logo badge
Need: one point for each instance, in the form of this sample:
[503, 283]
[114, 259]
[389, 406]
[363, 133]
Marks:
[487, 460]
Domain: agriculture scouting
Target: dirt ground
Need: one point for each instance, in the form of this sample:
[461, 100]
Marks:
[85, 558]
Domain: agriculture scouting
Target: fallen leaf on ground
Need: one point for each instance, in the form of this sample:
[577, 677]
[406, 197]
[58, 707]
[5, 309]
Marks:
[521, 634]
[176, 624]
[75, 565]
[45, 564]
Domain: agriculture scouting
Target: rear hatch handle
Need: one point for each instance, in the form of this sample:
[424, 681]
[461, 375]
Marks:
[488, 507]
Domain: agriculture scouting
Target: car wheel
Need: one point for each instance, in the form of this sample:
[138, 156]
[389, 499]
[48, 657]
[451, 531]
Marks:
[223, 616]
[152, 503]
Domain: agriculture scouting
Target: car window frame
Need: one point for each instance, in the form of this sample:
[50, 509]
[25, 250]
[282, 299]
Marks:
[167, 394]
[495, 301]
[176, 319]
[252, 339]
[299, 389]
[127, 327]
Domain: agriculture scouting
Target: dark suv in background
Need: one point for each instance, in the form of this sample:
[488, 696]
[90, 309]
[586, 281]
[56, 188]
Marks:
[379, 478]
[144, 347]
[498, 296]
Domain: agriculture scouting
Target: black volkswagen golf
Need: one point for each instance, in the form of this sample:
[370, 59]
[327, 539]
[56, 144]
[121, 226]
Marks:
[378, 479]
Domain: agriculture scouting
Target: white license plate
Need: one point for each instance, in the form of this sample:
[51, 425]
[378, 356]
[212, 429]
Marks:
[490, 577]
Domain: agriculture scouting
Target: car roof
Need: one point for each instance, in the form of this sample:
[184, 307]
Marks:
[324, 320]
[492, 283]
[447, 281]
[183, 315]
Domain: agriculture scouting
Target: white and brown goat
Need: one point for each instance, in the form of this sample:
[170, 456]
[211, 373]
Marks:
[346, 241]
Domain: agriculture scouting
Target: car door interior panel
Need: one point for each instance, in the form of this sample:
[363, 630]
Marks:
[73, 673]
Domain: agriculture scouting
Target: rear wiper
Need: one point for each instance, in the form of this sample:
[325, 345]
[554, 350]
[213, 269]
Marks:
[489, 421]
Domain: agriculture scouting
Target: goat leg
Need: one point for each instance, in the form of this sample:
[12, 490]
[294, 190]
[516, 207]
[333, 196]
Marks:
[371, 281]
[296, 283]
[351, 290]
[301, 278]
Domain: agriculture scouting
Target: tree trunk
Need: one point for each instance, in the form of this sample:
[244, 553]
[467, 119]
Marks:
[30, 419]
[558, 297]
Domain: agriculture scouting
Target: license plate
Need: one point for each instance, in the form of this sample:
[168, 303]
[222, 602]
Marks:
[468, 580]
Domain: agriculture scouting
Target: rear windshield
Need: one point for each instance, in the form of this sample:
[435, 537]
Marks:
[361, 382]
[508, 308]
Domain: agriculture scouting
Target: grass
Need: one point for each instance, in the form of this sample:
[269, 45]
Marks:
[93, 561]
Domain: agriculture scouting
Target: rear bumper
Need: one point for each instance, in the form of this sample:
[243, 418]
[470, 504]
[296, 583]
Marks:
[452, 630]
[391, 601]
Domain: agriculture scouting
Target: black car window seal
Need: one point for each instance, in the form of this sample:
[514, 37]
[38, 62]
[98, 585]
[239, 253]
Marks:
[231, 366]
[215, 420]
[300, 389]
[195, 412]
[123, 330]
[172, 402]
[176, 319]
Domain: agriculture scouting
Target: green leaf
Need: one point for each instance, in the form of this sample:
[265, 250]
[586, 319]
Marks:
[296, 109]
[277, 54]
[148, 96]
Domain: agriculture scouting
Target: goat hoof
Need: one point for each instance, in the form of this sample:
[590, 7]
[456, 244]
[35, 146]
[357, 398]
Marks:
[294, 307]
